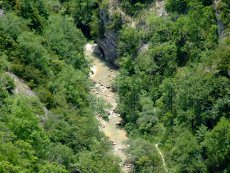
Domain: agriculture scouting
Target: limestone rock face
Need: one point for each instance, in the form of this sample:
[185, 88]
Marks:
[108, 42]
[218, 20]
[108, 46]
[1, 12]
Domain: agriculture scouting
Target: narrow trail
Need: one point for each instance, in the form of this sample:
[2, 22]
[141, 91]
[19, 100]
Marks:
[103, 75]
[162, 158]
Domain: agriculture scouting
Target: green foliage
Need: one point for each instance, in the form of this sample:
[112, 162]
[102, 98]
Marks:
[163, 57]
[116, 22]
[68, 91]
[12, 25]
[100, 106]
[177, 6]
[187, 154]
[31, 51]
[134, 6]
[34, 10]
[65, 40]
[6, 167]
[217, 147]
[33, 55]
[53, 135]
[49, 167]
[128, 41]
[173, 87]
[6, 86]
[60, 154]
[221, 57]
[224, 7]
[145, 156]
[159, 30]
[7, 4]
[100, 161]
[83, 13]
[3, 62]
[97, 28]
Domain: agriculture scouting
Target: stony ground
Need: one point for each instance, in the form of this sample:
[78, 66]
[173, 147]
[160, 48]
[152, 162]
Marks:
[103, 75]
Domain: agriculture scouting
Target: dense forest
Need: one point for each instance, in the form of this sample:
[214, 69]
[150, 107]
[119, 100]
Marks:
[176, 92]
[41, 44]
[173, 85]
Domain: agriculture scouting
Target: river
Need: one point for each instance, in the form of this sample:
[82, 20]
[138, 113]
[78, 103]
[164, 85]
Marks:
[102, 75]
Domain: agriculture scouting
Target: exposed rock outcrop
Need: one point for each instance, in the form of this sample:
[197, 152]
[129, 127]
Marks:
[1, 12]
[218, 20]
[108, 46]
[159, 8]
[108, 42]
[144, 48]
[21, 88]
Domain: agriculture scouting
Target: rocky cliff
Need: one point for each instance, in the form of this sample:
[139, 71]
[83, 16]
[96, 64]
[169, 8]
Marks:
[108, 45]
[108, 42]
[218, 20]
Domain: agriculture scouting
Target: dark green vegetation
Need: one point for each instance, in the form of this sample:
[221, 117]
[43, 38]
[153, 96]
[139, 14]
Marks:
[41, 44]
[224, 8]
[132, 7]
[83, 12]
[177, 91]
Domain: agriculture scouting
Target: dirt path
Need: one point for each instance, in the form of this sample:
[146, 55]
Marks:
[103, 75]
[162, 158]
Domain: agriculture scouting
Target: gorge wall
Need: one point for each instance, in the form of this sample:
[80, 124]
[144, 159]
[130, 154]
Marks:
[108, 42]
[113, 13]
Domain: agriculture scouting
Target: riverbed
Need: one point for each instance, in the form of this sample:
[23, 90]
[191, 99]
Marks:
[103, 74]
